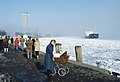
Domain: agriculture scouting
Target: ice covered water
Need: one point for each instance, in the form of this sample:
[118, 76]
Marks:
[106, 52]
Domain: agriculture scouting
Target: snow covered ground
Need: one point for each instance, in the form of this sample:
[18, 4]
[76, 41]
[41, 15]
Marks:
[107, 52]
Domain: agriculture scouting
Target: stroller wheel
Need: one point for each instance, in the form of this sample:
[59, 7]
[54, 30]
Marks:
[67, 70]
[53, 72]
[61, 72]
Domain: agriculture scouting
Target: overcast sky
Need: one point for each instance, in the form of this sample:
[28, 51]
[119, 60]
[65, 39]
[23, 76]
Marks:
[63, 17]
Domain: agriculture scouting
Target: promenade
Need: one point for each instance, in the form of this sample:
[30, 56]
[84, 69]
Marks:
[21, 69]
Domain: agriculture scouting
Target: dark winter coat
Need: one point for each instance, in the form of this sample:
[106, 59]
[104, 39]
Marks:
[1, 44]
[49, 57]
[5, 43]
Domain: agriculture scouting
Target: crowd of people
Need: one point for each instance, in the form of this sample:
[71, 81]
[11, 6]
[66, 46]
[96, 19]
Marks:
[32, 47]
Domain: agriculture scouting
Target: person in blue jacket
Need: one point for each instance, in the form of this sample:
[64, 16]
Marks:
[49, 58]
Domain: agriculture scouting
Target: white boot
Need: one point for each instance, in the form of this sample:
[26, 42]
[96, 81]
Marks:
[37, 57]
[4, 49]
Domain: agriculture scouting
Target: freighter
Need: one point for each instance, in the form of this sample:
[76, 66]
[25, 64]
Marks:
[91, 35]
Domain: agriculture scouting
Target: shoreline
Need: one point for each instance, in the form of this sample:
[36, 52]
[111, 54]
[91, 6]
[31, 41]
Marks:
[25, 70]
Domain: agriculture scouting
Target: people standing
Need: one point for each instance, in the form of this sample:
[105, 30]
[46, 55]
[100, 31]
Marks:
[16, 44]
[12, 40]
[49, 58]
[5, 43]
[37, 47]
[1, 43]
[33, 46]
[29, 44]
[22, 40]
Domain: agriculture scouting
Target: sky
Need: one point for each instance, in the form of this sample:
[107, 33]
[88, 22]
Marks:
[62, 17]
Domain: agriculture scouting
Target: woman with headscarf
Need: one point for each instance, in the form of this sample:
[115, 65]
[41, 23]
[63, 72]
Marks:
[49, 58]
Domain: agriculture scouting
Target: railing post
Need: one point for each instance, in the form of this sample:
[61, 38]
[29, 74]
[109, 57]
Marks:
[78, 51]
[58, 47]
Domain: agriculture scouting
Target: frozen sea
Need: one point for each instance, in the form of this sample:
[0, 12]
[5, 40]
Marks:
[106, 52]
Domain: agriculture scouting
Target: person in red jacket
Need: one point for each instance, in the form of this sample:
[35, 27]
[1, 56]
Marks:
[16, 44]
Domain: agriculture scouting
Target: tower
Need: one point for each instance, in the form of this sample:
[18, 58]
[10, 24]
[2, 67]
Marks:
[25, 20]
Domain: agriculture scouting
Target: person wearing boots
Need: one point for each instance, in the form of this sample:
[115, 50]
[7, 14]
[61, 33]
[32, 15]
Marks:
[5, 43]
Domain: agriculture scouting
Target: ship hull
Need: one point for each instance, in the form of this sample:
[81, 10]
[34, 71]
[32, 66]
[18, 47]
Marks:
[92, 36]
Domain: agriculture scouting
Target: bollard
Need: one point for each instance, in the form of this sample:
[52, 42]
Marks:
[78, 51]
[98, 64]
[58, 47]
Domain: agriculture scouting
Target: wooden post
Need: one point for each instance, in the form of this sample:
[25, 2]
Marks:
[78, 51]
[58, 47]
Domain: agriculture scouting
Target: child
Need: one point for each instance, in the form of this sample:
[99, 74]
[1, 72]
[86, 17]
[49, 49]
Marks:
[16, 44]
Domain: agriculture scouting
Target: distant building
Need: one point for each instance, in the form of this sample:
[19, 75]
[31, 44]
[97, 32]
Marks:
[25, 19]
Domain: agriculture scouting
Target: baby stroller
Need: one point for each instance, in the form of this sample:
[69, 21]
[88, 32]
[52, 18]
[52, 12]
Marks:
[59, 67]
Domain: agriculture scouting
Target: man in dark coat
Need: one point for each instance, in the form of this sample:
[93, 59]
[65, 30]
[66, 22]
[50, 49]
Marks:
[1, 43]
[33, 46]
[5, 43]
[12, 40]
[49, 57]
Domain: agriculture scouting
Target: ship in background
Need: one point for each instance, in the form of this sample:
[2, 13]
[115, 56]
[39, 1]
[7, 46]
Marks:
[91, 35]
